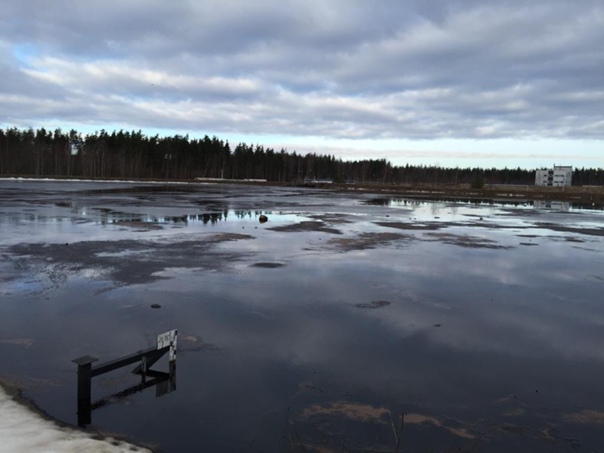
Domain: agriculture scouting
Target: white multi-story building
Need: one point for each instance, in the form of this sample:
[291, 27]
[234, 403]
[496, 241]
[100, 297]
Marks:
[560, 176]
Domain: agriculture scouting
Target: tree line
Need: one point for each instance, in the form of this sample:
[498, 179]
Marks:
[131, 154]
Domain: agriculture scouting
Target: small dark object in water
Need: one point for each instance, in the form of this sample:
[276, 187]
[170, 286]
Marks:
[436, 325]
[155, 306]
[374, 304]
[268, 265]
[263, 218]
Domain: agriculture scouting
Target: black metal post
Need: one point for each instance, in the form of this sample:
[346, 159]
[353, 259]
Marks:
[84, 389]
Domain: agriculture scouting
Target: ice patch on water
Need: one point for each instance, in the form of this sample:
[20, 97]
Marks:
[25, 431]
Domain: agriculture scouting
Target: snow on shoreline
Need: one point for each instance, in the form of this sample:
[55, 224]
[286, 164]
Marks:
[25, 431]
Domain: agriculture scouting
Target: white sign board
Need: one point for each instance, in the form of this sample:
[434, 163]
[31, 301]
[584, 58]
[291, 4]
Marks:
[168, 339]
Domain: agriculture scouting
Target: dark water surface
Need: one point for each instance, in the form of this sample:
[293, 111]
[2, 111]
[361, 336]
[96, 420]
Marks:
[482, 323]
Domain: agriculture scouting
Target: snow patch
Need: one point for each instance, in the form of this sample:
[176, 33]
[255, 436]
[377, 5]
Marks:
[24, 431]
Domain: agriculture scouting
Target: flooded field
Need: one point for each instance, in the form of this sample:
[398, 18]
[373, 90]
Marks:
[346, 322]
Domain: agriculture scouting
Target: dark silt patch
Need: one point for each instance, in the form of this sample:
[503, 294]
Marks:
[568, 229]
[573, 239]
[337, 219]
[412, 226]
[374, 304]
[366, 241]
[379, 201]
[140, 226]
[529, 244]
[268, 265]
[466, 241]
[586, 249]
[306, 226]
[145, 258]
[225, 237]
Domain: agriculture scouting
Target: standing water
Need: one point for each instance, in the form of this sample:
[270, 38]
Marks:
[345, 322]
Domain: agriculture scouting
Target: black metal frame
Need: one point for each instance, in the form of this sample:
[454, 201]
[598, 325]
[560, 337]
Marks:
[146, 359]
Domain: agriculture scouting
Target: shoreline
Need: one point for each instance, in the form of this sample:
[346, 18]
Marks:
[584, 195]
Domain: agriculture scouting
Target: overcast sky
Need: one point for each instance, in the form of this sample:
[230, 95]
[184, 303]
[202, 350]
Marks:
[488, 83]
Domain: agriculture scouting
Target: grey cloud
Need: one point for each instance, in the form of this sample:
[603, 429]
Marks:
[416, 69]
